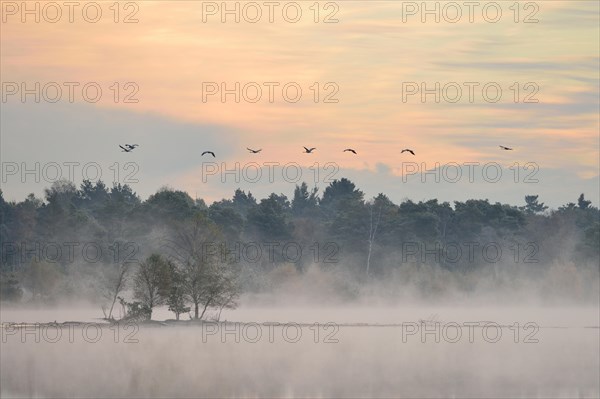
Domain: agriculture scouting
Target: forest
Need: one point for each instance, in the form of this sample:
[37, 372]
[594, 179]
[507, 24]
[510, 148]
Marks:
[128, 255]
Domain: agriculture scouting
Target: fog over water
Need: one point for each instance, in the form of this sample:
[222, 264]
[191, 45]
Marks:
[560, 359]
[322, 334]
[572, 316]
[313, 199]
[304, 337]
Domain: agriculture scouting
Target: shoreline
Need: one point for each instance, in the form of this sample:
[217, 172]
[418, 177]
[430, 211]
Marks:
[200, 323]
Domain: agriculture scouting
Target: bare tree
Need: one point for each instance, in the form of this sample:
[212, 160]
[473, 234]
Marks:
[116, 284]
[228, 301]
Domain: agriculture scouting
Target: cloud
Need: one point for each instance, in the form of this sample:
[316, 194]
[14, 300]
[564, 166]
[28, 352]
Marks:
[368, 54]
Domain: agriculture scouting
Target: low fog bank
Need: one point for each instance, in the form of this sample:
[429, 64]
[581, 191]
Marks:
[363, 362]
[563, 295]
[415, 285]
[556, 284]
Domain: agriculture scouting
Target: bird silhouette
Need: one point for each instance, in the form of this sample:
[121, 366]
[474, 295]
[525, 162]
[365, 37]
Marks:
[208, 152]
[125, 149]
[309, 150]
[254, 151]
[350, 150]
[505, 148]
[131, 146]
[407, 150]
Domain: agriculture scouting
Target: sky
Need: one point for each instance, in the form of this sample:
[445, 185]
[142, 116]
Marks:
[377, 76]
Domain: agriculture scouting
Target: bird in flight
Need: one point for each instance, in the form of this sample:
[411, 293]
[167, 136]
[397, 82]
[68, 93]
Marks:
[406, 149]
[309, 150]
[350, 150]
[208, 152]
[505, 148]
[125, 149]
[131, 146]
[254, 151]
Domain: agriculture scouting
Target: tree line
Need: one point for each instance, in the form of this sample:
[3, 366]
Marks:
[171, 249]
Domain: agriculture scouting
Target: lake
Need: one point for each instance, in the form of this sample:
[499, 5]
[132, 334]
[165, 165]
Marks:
[280, 352]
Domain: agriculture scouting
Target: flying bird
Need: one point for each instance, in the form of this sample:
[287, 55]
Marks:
[131, 146]
[254, 151]
[409, 150]
[208, 152]
[125, 149]
[309, 150]
[505, 148]
[350, 150]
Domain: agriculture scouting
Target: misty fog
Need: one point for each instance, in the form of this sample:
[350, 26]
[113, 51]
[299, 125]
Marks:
[105, 295]
[299, 199]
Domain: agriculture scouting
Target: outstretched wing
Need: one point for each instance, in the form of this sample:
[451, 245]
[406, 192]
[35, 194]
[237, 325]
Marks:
[123, 148]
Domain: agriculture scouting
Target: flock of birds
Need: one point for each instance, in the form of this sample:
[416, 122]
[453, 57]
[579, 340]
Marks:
[131, 147]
